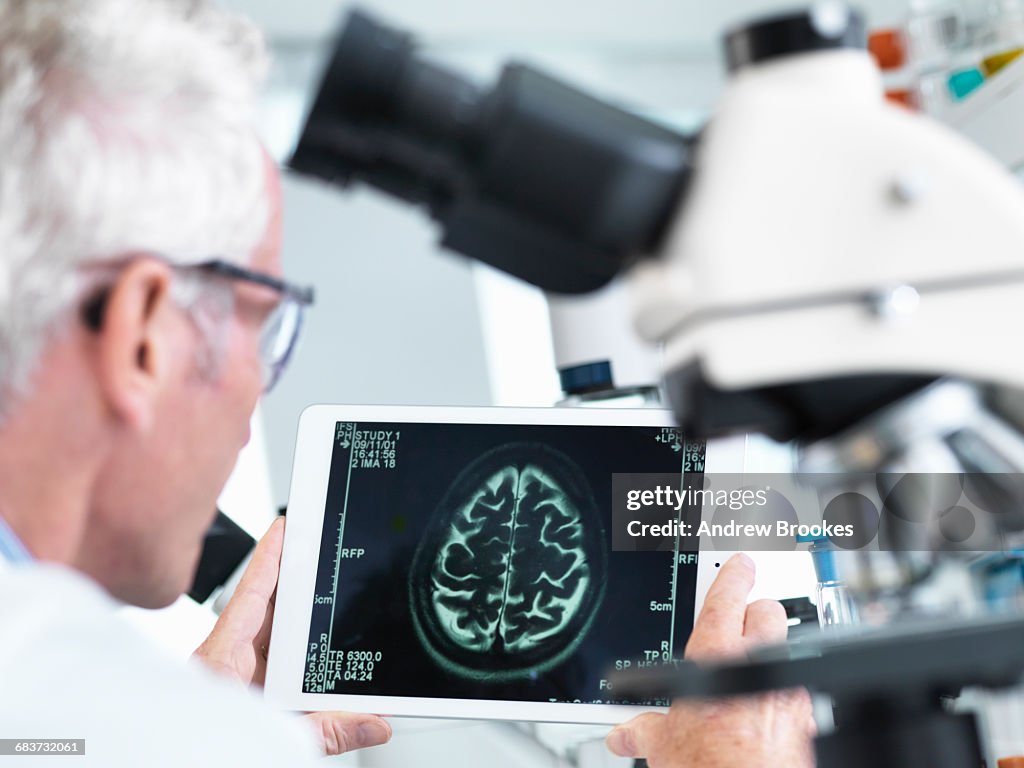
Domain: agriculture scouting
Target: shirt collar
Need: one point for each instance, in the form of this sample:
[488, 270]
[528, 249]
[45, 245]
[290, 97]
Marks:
[11, 548]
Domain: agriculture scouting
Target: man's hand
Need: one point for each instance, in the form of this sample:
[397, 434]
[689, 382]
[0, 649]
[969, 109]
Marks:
[772, 729]
[237, 648]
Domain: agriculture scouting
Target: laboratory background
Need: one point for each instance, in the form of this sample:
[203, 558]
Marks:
[400, 321]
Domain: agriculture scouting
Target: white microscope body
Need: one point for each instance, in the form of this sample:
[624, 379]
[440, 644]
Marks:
[835, 234]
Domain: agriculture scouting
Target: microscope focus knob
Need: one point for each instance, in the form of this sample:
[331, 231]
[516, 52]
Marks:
[825, 26]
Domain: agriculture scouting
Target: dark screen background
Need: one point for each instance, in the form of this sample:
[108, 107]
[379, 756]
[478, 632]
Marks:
[362, 637]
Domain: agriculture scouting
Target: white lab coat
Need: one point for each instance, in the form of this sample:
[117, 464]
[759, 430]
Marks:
[71, 668]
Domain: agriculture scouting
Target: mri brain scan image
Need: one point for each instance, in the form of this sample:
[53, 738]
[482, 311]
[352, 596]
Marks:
[509, 578]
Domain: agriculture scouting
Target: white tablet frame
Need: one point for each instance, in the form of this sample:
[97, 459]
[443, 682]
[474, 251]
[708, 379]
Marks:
[306, 503]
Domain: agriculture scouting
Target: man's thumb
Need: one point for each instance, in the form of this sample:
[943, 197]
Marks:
[634, 738]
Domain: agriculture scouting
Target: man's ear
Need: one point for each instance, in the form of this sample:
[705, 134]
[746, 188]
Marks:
[134, 342]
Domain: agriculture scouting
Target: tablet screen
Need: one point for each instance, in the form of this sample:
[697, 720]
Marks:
[474, 561]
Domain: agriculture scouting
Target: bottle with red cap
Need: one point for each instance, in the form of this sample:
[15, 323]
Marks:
[888, 47]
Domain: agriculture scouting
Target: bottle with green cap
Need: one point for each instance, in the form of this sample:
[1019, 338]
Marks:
[935, 34]
[996, 32]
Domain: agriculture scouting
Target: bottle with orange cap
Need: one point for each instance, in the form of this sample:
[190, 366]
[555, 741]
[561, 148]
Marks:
[888, 47]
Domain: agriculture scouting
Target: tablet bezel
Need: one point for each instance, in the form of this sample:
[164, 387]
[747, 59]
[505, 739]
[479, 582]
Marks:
[307, 499]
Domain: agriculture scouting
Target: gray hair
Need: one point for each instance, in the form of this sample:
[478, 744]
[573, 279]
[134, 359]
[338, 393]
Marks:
[126, 127]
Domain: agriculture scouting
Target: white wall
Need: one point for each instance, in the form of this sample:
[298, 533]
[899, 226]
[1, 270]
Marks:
[394, 322]
[645, 22]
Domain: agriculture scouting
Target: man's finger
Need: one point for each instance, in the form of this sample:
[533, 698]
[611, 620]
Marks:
[246, 616]
[255, 589]
[765, 623]
[341, 732]
[718, 630]
[261, 574]
[636, 737]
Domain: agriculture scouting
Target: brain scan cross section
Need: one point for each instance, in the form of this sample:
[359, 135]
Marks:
[510, 578]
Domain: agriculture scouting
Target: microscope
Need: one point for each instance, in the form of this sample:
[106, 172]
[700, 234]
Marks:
[818, 265]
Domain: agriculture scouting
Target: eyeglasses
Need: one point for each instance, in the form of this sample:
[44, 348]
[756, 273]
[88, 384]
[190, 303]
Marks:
[280, 332]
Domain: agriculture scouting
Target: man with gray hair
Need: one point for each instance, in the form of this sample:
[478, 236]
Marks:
[142, 313]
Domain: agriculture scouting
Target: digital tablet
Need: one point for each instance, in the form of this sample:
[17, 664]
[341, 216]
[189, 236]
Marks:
[457, 562]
